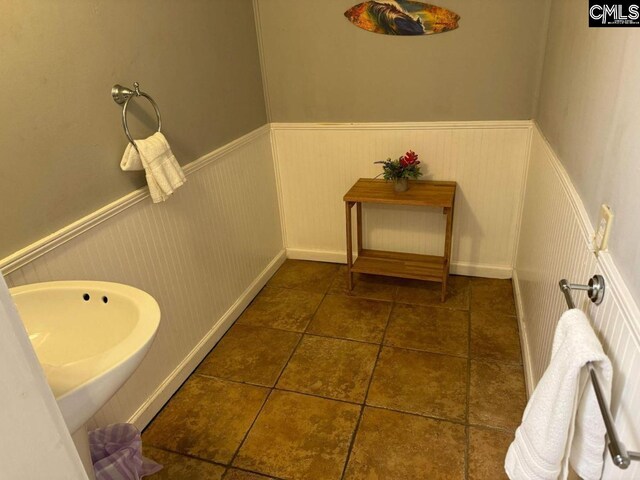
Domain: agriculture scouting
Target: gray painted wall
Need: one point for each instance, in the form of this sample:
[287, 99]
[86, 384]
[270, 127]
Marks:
[60, 131]
[321, 68]
[589, 111]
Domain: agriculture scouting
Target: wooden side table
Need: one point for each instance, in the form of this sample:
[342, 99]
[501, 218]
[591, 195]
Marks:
[394, 264]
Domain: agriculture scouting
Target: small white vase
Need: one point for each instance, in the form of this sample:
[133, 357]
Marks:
[401, 185]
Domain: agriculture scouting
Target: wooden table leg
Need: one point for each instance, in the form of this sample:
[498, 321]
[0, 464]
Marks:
[447, 250]
[445, 277]
[359, 226]
[348, 206]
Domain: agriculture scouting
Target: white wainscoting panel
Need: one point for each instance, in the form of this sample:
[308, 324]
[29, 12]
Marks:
[318, 163]
[202, 255]
[555, 239]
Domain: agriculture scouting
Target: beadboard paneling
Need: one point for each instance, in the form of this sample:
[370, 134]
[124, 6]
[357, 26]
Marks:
[202, 255]
[318, 163]
[555, 243]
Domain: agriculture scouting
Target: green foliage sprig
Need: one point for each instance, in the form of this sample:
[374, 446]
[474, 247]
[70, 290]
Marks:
[407, 166]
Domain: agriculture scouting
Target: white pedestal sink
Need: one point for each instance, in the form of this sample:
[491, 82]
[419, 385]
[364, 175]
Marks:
[89, 337]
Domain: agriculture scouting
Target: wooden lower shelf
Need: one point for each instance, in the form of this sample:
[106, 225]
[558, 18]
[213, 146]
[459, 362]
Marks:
[403, 265]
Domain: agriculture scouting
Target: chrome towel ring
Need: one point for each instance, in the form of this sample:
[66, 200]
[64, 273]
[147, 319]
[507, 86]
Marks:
[122, 95]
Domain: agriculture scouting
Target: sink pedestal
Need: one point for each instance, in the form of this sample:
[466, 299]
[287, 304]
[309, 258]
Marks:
[81, 440]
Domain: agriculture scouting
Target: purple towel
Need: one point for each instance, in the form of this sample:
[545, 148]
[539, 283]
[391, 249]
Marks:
[116, 453]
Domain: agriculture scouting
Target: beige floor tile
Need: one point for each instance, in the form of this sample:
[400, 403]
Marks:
[235, 474]
[487, 450]
[493, 296]
[304, 275]
[497, 394]
[420, 382]
[179, 467]
[396, 446]
[373, 287]
[250, 354]
[330, 367]
[429, 293]
[495, 337]
[433, 329]
[352, 318]
[299, 437]
[573, 475]
[207, 418]
[422, 372]
[281, 308]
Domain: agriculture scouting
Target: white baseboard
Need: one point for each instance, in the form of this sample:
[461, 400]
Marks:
[457, 268]
[395, 126]
[318, 255]
[163, 393]
[524, 342]
[481, 270]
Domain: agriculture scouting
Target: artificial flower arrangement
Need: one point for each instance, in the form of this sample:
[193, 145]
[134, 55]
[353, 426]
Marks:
[401, 169]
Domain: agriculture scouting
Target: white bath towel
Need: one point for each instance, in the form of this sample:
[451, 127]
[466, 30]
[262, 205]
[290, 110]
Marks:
[163, 171]
[562, 421]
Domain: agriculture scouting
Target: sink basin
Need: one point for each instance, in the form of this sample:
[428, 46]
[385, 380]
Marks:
[89, 338]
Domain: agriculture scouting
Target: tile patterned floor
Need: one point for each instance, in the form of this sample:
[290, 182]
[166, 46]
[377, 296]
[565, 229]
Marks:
[385, 382]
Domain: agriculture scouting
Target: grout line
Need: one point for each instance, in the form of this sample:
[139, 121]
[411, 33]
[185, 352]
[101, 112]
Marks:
[243, 324]
[189, 455]
[366, 393]
[272, 389]
[303, 333]
[419, 415]
[246, 434]
[425, 305]
[350, 402]
[394, 304]
[253, 472]
[231, 380]
[310, 334]
[430, 352]
[226, 466]
[352, 442]
[357, 297]
[315, 395]
[468, 396]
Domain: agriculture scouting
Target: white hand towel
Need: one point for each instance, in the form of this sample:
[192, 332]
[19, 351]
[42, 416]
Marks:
[162, 170]
[564, 399]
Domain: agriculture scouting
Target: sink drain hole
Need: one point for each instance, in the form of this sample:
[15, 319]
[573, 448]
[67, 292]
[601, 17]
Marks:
[86, 297]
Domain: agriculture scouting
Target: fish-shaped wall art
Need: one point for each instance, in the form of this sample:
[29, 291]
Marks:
[402, 17]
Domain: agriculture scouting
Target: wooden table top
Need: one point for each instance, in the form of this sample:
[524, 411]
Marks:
[421, 192]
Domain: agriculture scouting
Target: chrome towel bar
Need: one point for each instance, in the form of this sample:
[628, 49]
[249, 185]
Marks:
[122, 95]
[619, 455]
